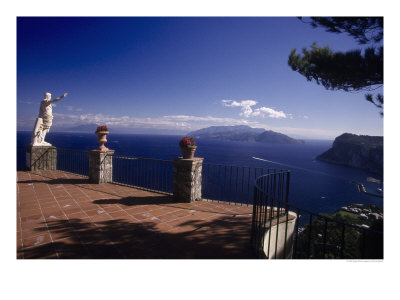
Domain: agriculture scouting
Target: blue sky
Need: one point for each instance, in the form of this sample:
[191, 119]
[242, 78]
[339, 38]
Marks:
[175, 75]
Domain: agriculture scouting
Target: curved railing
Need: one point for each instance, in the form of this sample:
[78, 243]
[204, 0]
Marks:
[282, 230]
[270, 201]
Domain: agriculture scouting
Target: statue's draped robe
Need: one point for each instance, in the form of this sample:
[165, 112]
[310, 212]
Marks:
[43, 123]
[46, 113]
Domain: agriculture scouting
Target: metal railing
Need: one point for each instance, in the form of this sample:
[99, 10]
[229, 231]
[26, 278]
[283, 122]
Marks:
[144, 173]
[322, 237]
[230, 184]
[301, 234]
[73, 161]
[270, 200]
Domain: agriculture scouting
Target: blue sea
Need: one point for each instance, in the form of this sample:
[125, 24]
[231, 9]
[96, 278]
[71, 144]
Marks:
[315, 186]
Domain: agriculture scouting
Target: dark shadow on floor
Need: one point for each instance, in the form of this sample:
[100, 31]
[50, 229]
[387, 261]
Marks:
[131, 201]
[164, 200]
[58, 181]
[220, 238]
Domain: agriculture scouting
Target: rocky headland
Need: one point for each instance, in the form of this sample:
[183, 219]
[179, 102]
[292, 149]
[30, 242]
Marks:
[357, 151]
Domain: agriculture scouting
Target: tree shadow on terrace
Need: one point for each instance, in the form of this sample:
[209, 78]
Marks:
[221, 237]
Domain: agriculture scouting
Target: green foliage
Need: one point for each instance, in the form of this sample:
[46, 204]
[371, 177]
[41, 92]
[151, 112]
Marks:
[327, 239]
[378, 101]
[363, 29]
[349, 71]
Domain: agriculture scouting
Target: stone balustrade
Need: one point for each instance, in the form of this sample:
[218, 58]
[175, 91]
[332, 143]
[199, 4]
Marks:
[187, 173]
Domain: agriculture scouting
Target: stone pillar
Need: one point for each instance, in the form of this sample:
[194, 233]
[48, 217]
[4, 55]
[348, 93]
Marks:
[41, 158]
[187, 179]
[100, 166]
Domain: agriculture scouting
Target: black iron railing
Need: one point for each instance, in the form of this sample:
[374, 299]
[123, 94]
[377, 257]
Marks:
[281, 230]
[145, 173]
[270, 200]
[230, 184]
[73, 161]
[321, 237]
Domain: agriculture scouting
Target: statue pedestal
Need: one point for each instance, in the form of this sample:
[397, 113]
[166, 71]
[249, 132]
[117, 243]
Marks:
[100, 166]
[42, 158]
[187, 179]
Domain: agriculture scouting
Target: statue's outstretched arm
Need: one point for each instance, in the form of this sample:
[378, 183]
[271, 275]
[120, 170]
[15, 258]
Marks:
[59, 98]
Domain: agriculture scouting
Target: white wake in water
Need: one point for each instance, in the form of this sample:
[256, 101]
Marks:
[343, 179]
[296, 167]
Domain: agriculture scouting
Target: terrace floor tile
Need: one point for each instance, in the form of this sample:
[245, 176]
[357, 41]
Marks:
[61, 215]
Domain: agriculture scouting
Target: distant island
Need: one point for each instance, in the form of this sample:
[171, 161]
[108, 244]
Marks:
[243, 133]
[358, 151]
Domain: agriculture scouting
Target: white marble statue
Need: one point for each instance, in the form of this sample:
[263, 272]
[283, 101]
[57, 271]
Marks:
[44, 120]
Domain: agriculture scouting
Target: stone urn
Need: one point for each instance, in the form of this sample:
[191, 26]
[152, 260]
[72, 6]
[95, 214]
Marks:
[188, 151]
[102, 139]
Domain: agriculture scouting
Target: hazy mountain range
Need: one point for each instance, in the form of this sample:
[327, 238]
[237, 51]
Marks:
[243, 133]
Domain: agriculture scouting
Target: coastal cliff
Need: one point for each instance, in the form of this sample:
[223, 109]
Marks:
[357, 151]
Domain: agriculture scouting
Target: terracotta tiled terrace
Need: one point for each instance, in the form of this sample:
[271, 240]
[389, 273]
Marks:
[61, 215]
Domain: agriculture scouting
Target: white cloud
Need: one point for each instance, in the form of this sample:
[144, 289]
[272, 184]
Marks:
[244, 104]
[70, 120]
[205, 119]
[268, 112]
[181, 122]
[247, 110]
